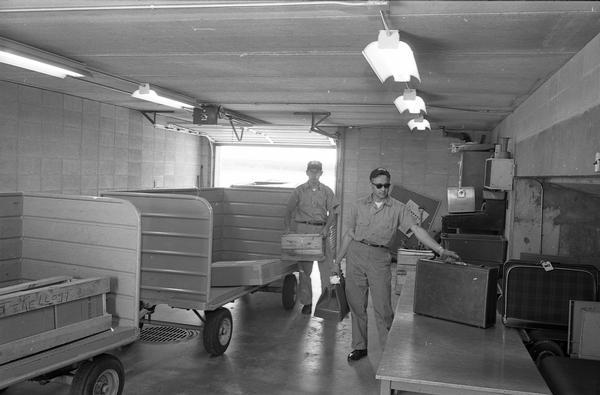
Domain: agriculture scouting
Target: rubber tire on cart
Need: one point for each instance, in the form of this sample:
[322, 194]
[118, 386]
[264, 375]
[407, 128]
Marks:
[217, 331]
[102, 375]
[288, 291]
[545, 348]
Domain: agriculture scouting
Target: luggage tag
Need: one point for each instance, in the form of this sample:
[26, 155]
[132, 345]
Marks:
[547, 265]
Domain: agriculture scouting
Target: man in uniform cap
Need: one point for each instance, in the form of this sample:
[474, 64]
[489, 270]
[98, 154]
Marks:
[311, 209]
[373, 221]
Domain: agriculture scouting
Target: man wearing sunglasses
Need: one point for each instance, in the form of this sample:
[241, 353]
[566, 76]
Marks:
[311, 209]
[371, 227]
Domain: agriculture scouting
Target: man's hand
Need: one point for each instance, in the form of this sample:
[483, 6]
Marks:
[334, 279]
[449, 255]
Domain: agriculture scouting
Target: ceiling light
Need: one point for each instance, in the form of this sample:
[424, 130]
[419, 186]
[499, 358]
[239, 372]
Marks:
[410, 102]
[419, 123]
[36, 65]
[390, 57]
[30, 58]
[145, 93]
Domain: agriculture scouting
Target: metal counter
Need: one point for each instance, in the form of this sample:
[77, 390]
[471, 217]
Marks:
[433, 356]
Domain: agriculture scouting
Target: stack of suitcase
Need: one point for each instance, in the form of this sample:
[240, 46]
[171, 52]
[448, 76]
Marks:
[535, 296]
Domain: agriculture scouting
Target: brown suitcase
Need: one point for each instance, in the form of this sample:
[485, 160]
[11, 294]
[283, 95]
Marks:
[459, 292]
[477, 248]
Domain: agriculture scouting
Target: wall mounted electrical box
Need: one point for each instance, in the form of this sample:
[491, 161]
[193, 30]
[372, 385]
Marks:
[206, 114]
[499, 173]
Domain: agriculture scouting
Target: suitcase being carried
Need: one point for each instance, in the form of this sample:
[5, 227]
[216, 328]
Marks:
[537, 294]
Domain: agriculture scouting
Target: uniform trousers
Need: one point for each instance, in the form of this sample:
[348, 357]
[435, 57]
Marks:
[305, 267]
[368, 270]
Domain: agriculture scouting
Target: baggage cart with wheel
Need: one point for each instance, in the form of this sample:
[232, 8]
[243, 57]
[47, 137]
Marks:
[69, 289]
[190, 237]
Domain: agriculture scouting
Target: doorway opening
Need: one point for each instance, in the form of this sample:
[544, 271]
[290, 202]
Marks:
[271, 166]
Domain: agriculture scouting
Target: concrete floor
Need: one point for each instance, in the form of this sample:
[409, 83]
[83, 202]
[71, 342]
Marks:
[272, 351]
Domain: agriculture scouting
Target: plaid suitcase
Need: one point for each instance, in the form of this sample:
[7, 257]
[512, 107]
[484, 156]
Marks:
[538, 297]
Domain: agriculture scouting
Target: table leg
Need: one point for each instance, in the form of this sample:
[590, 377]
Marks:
[386, 387]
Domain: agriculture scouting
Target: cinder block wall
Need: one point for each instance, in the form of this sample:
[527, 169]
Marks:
[51, 142]
[555, 132]
[554, 137]
[419, 161]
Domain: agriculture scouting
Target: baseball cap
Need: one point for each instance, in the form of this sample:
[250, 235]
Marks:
[314, 165]
[380, 171]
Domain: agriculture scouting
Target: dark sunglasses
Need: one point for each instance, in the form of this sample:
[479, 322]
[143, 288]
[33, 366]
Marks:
[379, 186]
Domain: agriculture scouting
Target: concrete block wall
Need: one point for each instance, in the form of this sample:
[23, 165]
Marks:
[51, 142]
[419, 161]
[555, 131]
[554, 137]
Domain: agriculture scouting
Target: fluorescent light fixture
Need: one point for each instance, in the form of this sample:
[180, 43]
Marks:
[145, 93]
[419, 123]
[390, 57]
[36, 65]
[410, 102]
[30, 58]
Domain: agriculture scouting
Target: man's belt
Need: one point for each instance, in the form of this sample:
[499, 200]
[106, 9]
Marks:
[311, 223]
[372, 244]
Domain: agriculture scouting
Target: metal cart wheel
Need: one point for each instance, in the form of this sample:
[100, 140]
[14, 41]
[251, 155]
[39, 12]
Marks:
[217, 331]
[102, 375]
[288, 291]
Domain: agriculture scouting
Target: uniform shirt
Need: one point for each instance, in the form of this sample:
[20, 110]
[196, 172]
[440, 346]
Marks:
[312, 205]
[378, 225]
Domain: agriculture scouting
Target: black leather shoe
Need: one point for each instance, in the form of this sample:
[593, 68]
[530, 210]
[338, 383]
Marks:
[307, 309]
[355, 355]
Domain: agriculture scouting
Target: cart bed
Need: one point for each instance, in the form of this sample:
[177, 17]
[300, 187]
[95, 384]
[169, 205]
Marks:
[46, 239]
[257, 272]
[184, 232]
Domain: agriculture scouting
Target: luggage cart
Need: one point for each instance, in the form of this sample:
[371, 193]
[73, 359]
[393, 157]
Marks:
[67, 245]
[183, 233]
[88, 358]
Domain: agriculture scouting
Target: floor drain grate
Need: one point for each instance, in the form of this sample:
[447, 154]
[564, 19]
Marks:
[166, 334]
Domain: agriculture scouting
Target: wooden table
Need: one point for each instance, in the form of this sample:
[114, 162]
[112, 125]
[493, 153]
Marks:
[434, 356]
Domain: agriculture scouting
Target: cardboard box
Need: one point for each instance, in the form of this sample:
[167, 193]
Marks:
[406, 265]
[589, 345]
[302, 247]
[584, 326]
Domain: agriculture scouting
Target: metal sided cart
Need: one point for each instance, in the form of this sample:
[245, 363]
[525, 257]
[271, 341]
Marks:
[69, 289]
[184, 235]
